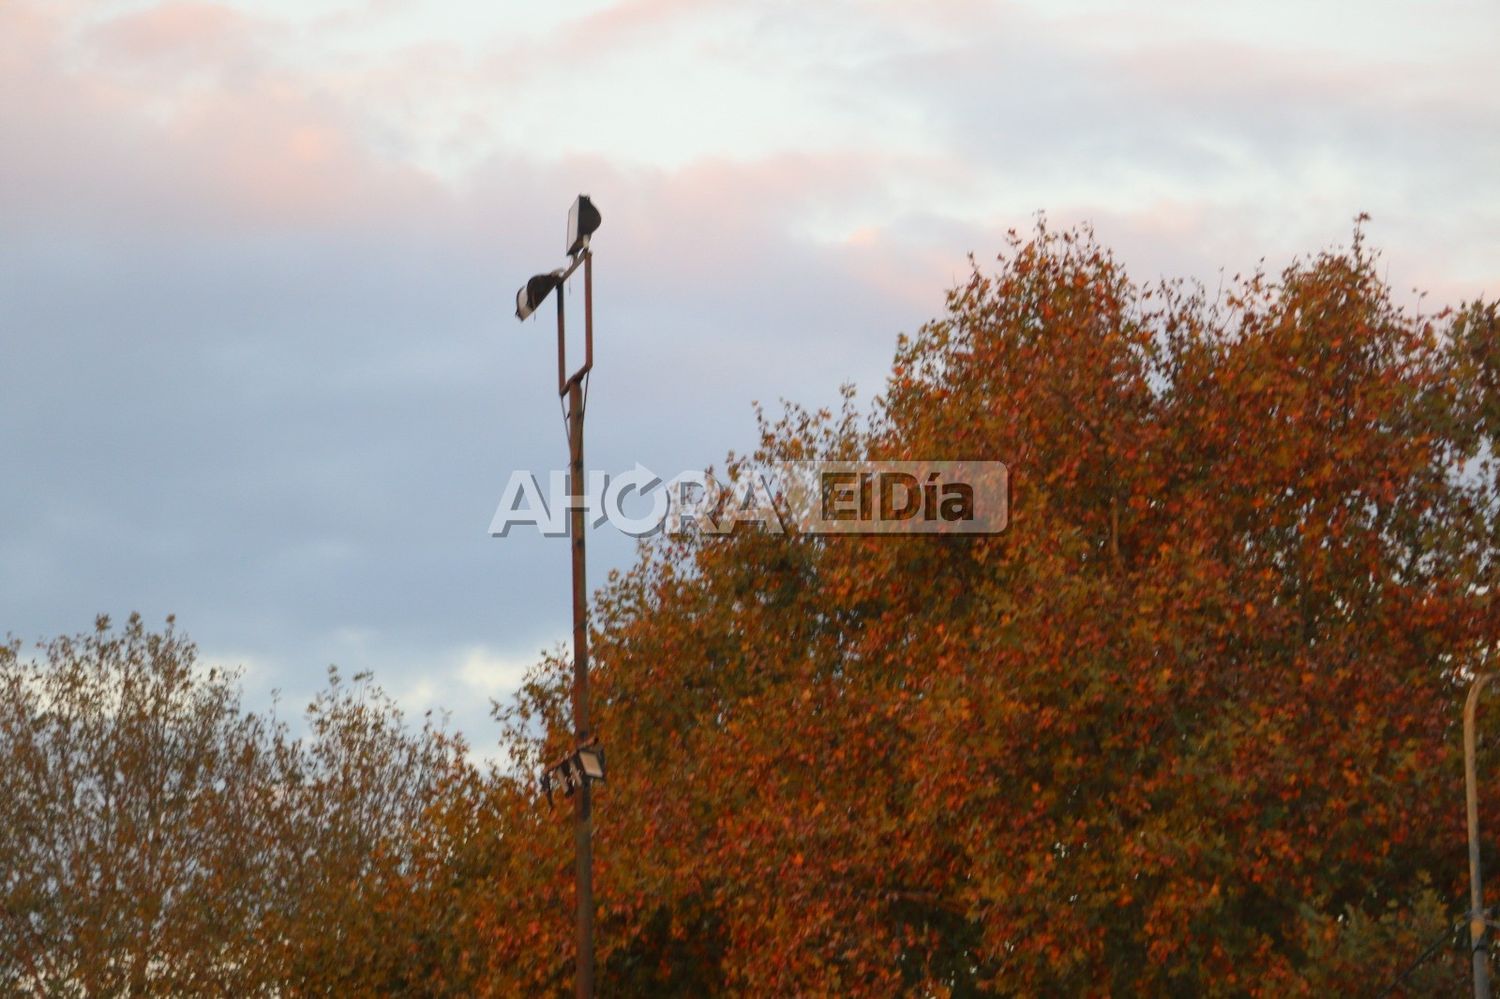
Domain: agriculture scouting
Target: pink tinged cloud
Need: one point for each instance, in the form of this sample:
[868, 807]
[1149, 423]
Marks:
[175, 34]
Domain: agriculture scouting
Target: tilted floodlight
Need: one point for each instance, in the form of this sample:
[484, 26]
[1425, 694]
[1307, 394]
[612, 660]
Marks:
[583, 219]
[535, 291]
[592, 760]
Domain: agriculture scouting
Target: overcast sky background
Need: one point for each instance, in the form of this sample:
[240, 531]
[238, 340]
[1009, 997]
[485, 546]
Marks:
[258, 365]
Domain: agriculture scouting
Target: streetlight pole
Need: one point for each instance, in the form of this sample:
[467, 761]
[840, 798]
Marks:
[1478, 925]
[585, 764]
[583, 843]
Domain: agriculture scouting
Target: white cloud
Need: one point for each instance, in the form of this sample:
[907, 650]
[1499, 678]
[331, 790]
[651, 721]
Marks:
[486, 673]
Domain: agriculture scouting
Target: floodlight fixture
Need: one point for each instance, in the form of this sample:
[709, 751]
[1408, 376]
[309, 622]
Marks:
[584, 765]
[535, 291]
[591, 758]
[583, 219]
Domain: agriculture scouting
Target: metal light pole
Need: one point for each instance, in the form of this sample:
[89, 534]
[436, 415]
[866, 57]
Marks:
[583, 831]
[1478, 925]
[582, 221]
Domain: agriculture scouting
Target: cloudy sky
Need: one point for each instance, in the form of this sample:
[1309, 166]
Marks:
[258, 258]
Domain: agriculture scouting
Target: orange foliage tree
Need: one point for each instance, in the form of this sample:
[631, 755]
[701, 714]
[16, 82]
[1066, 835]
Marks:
[1187, 728]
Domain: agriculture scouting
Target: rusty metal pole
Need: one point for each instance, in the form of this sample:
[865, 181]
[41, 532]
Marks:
[583, 840]
[1478, 929]
[582, 811]
[583, 219]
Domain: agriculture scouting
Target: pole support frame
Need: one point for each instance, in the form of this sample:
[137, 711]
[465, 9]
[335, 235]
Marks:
[564, 378]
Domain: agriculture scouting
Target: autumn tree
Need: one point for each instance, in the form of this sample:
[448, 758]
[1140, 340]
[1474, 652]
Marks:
[122, 826]
[156, 838]
[362, 895]
[1187, 728]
